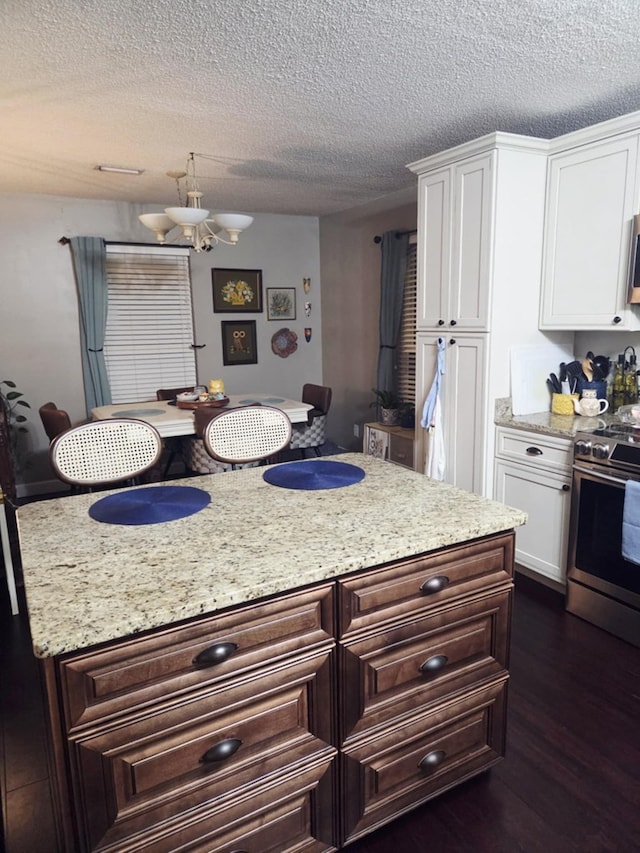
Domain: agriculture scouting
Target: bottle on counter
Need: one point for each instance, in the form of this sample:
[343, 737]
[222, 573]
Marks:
[631, 382]
[617, 396]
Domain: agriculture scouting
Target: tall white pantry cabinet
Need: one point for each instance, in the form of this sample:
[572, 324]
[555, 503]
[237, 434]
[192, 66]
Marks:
[480, 233]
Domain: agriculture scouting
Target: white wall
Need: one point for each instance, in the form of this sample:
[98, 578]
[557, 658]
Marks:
[286, 249]
[351, 291]
[39, 338]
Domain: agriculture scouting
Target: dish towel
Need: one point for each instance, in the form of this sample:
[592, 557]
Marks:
[631, 522]
[432, 420]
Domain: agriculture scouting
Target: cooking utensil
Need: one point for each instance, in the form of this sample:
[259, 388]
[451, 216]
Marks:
[555, 383]
[603, 364]
[587, 368]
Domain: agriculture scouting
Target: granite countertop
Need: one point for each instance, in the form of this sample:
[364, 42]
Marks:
[547, 423]
[88, 582]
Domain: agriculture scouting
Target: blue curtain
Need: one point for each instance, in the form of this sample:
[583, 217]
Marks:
[89, 254]
[394, 267]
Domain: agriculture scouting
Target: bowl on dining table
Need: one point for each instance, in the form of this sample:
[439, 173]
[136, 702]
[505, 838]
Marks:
[187, 397]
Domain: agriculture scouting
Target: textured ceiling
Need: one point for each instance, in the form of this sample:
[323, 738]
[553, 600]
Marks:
[304, 106]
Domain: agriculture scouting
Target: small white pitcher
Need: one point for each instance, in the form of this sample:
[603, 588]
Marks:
[590, 407]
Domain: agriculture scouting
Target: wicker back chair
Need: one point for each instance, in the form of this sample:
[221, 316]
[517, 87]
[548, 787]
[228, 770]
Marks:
[105, 452]
[247, 434]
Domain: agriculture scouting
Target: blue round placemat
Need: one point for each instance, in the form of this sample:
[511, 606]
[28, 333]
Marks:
[149, 506]
[137, 413]
[314, 474]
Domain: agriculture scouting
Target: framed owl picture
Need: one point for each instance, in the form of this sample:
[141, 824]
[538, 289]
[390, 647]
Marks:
[239, 344]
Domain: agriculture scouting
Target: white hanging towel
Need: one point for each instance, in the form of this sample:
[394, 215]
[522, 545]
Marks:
[432, 421]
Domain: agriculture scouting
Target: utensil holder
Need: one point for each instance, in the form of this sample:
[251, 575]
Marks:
[599, 386]
[562, 404]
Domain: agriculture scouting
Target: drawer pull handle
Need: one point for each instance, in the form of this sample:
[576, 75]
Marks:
[534, 451]
[432, 760]
[434, 664]
[218, 653]
[437, 584]
[221, 751]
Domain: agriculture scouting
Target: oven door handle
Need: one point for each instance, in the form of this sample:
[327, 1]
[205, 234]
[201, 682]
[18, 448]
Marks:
[597, 475]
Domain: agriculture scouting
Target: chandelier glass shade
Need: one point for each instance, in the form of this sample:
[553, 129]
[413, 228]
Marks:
[196, 226]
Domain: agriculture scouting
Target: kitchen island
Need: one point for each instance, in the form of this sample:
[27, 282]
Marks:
[283, 670]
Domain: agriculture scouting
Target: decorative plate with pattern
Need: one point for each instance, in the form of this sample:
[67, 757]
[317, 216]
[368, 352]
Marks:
[284, 342]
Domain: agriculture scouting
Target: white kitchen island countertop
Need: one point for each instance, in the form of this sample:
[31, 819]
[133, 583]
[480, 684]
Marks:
[88, 582]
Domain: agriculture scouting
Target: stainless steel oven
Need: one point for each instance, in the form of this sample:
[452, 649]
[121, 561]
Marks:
[602, 586]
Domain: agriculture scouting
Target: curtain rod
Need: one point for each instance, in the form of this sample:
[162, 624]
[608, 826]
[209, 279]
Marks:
[65, 241]
[378, 238]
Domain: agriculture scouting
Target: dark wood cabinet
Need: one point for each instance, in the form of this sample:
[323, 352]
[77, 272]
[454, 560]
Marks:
[298, 723]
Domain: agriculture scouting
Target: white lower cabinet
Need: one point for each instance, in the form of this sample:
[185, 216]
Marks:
[533, 473]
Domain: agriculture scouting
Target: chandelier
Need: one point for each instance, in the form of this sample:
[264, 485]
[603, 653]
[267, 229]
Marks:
[194, 222]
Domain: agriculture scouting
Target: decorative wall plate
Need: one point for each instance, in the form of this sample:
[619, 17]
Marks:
[284, 342]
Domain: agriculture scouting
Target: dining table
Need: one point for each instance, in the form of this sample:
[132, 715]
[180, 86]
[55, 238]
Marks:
[171, 420]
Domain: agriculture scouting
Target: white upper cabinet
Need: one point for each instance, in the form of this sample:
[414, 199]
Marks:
[480, 226]
[454, 243]
[592, 196]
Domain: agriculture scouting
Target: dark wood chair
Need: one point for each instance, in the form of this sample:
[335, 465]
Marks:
[54, 420]
[173, 446]
[171, 393]
[7, 508]
[312, 434]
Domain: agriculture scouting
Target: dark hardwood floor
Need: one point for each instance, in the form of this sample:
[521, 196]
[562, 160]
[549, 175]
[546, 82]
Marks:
[570, 780]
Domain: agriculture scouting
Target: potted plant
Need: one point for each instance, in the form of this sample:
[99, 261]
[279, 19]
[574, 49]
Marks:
[389, 405]
[10, 400]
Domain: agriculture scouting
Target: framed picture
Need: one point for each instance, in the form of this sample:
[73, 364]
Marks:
[239, 344]
[236, 291]
[281, 303]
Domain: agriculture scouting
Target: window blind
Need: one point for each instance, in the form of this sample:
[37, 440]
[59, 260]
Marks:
[149, 331]
[406, 348]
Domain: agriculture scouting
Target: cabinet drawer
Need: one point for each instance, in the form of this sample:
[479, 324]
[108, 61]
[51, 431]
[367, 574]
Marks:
[409, 764]
[206, 747]
[102, 683]
[300, 820]
[401, 450]
[394, 672]
[543, 451]
[404, 588]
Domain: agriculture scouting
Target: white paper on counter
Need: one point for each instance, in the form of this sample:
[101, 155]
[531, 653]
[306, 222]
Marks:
[530, 369]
